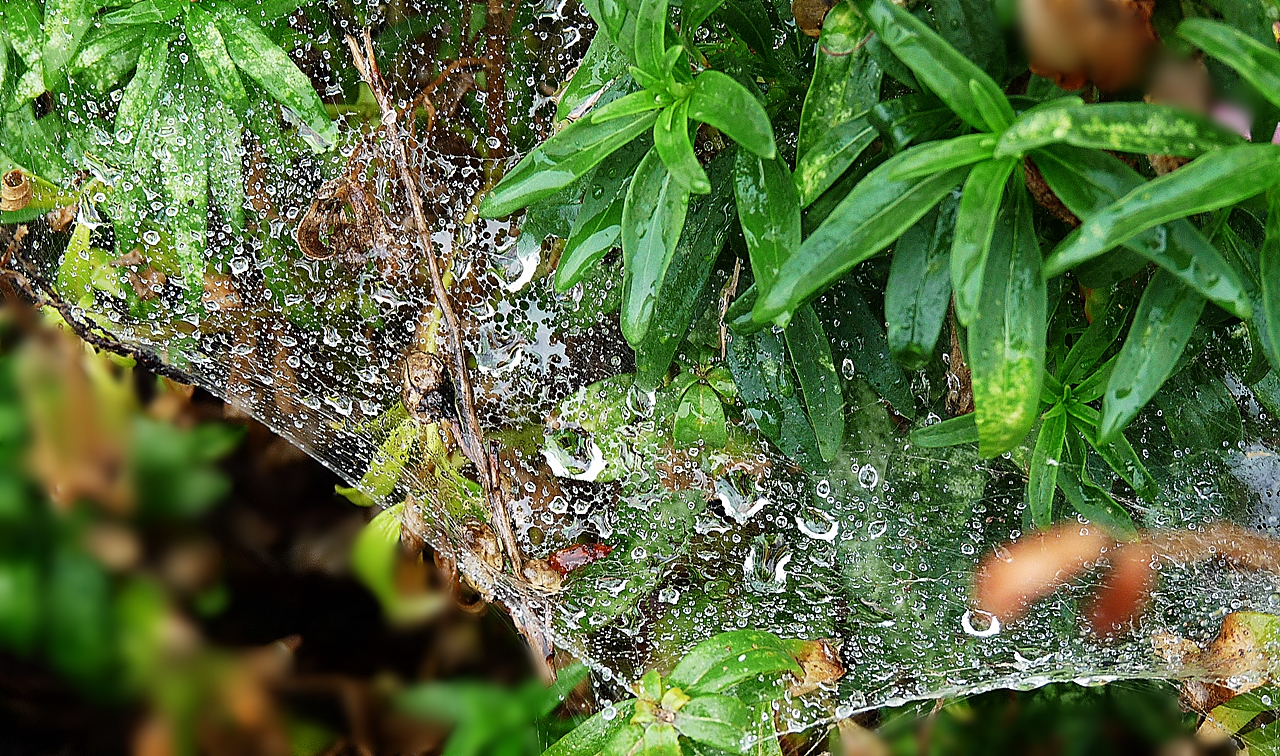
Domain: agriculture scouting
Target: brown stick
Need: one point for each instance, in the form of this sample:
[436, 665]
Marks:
[471, 435]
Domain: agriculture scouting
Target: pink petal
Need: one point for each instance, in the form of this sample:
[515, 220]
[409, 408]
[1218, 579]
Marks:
[1233, 118]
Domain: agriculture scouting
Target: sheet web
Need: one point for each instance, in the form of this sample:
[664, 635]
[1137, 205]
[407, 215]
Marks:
[875, 551]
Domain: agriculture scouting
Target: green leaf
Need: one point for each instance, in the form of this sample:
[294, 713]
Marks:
[107, 56]
[24, 28]
[226, 183]
[700, 419]
[1213, 181]
[65, 24]
[21, 598]
[1092, 388]
[1089, 181]
[79, 635]
[1200, 411]
[874, 214]
[684, 289]
[953, 432]
[769, 214]
[764, 379]
[1045, 461]
[211, 50]
[938, 66]
[1162, 326]
[560, 161]
[830, 156]
[728, 658]
[636, 102]
[719, 721]
[140, 95]
[598, 225]
[1007, 333]
[1256, 62]
[1096, 340]
[1269, 275]
[145, 12]
[975, 223]
[694, 12]
[1118, 126]
[184, 173]
[910, 119]
[590, 737]
[811, 354]
[264, 62]
[970, 27]
[671, 140]
[1119, 455]
[1088, 498]
[919, 287]
[940, 156]
[858, 337]
[651, 37]
[720, 101]
[652, 220]
[846, 80]
[603, 63]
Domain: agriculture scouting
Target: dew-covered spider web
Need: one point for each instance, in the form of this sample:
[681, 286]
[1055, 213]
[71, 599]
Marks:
[280, 268]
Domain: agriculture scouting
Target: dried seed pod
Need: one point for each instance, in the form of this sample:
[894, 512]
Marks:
[15, 191]
[542, 576]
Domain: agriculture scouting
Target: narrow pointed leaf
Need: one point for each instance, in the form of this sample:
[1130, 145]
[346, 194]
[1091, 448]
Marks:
[694, 12]
[1119, 455]
[1045, 462]
[975, 224]
[919, 287]
[671, 140]
[830, 156]
[1213, 181]
[1118, 126]
[602, 64]
[598, 224]
[1162, 326]
[707, 659]
[1090, 499]
[939, 66]
[636, 102]
[264, 62]
[651, 36]
[846, 80]
[871, 217]
[953, 432]
[1096, 339]
[146, 12]
[560, 161]
[858, 338]
[720, 101]
[1256, 63]
[1007, 333]
[765, 383]
[811, 355]
[65, 24]
[107, 56]
[1269, 275]
[211, 50]
[1089, 181]
[769, 213]
[652, 220]
[1092, 388]
[944, 155]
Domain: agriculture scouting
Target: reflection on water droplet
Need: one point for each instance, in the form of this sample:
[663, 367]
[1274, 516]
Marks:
[765, 567]
[739, 493]
[868, 477]
[847, 369]
[987, 624]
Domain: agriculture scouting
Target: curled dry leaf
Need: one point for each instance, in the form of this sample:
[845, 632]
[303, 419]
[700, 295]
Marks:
[425, 388]
[542, 575]
[1074, 42]
[821, 665]
[1242, 657]
[220, 293]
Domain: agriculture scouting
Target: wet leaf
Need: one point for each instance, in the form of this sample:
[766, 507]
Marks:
[651, 34]
[769, 213]
[830, 156]
[694, 12]
[700, 419]
[65, 24]
[652, 221]
[763, 377]
[721, 102]
[912, 118]
[1089, 181]
[874, 214]
[1269, 278]
[1090, 499]
[23, 28]
[263, 61]
[1096, 339]
[938, 66]
[811, 354]
[1200, 411]
[602, 64]
[944, 155]
[846, 81]
[591, 737]
[561, 160]
[598, 225]
[970, 27]
[1118, 126]
[1042, 482]
[1007, 334]
[729, 658]
[1256, 63]
[953, 432]
[671, 140]
[145, 12]
[719, 721]
[918, 291]
[975, 224]
[211, 50]
[140, 94]
[1162, 325]
[107, 56]
[859, 345]
[1213, 181]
